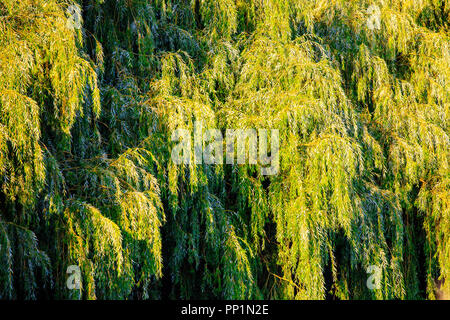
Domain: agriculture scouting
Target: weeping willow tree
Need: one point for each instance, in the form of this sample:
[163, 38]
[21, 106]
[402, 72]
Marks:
[91, 92]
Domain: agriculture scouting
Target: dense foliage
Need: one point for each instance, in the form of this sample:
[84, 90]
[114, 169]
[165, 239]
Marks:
[359, 91]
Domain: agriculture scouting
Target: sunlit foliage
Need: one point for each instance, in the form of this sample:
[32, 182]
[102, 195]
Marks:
[359, 91]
